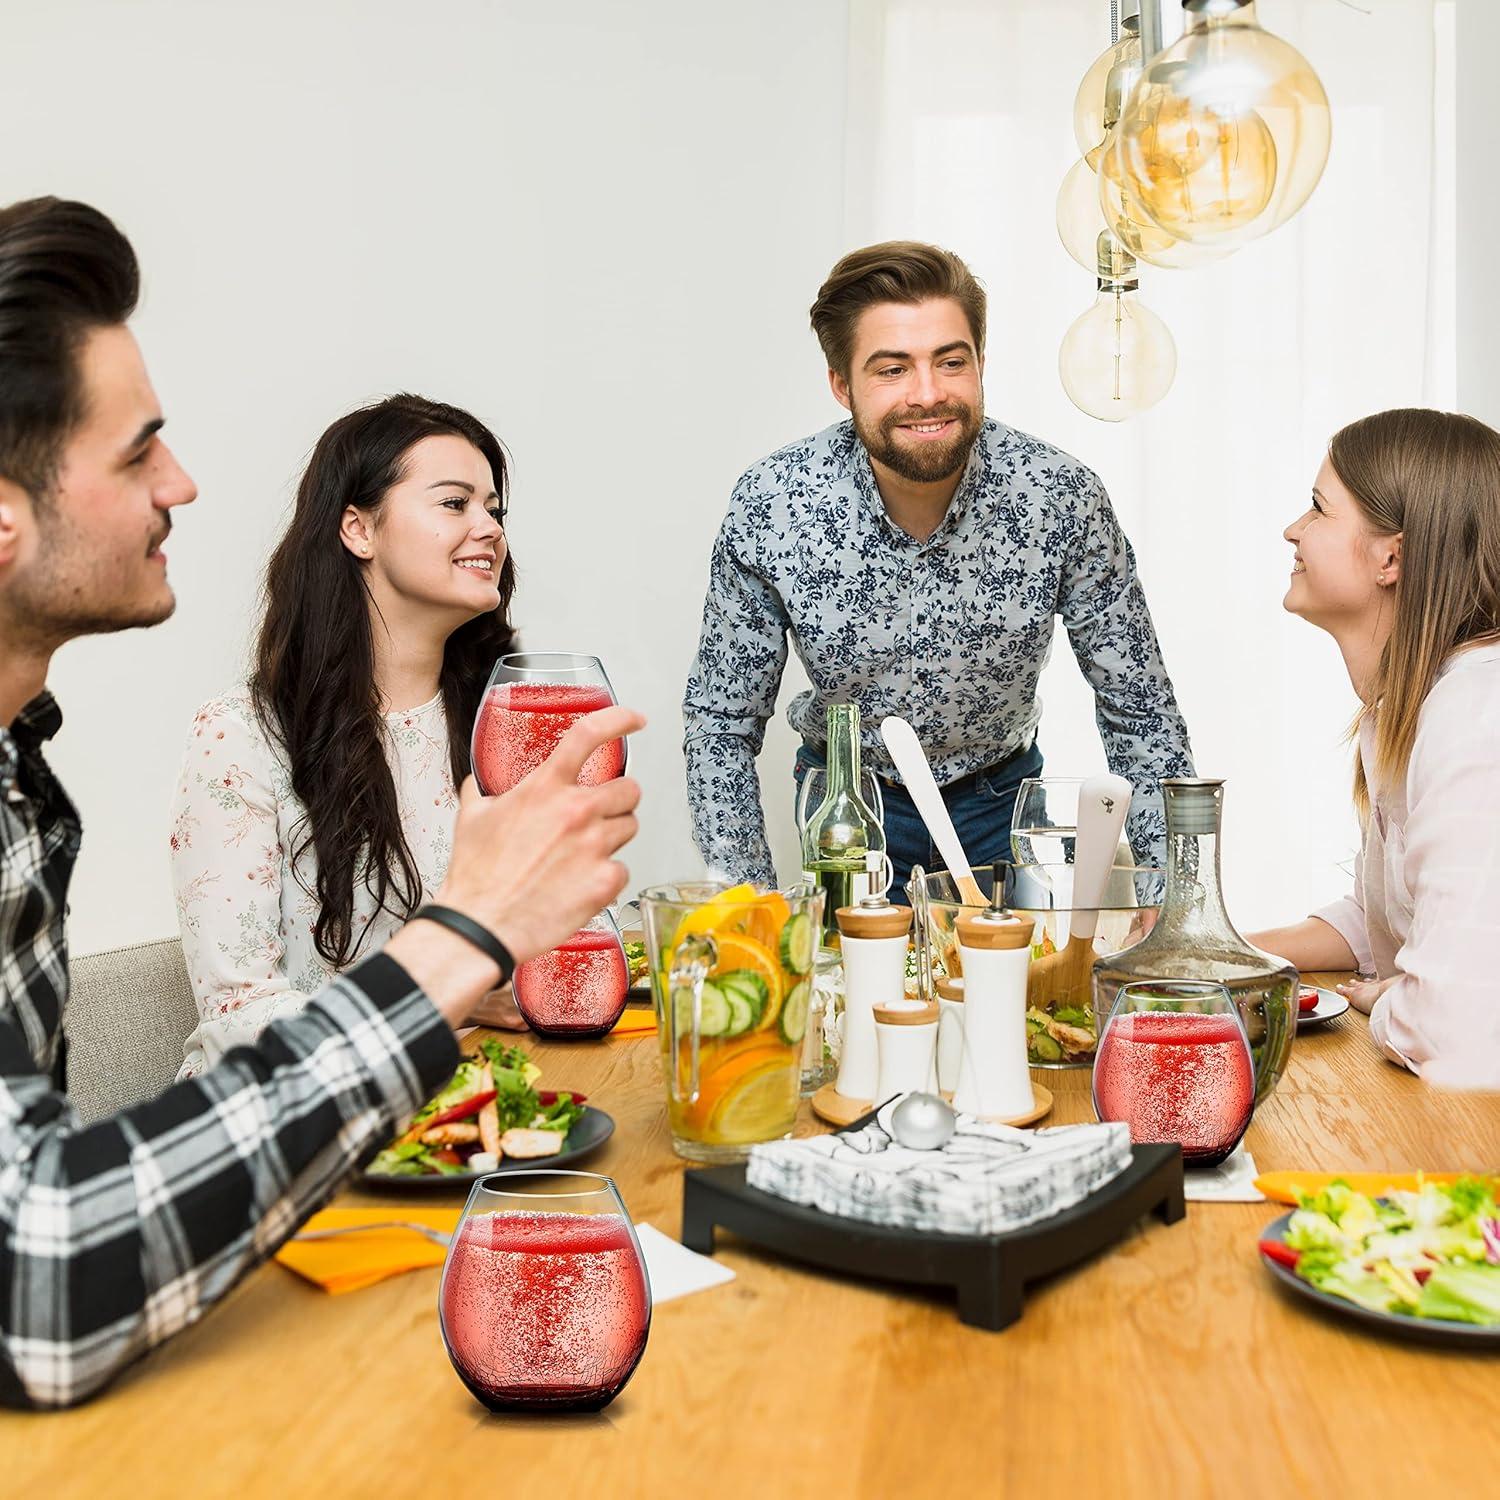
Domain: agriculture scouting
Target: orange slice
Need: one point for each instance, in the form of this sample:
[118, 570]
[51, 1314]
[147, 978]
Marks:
[736, 951]
[764, 919]
[723, 1066]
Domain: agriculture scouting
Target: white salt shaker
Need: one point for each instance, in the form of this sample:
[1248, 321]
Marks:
[995, 950]
[873, 937]
[950, 1044]
[906, 1039]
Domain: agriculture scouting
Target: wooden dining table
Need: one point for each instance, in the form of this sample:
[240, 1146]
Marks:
[1170, 1364]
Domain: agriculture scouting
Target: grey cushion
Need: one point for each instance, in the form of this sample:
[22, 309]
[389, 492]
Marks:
[129, 1012]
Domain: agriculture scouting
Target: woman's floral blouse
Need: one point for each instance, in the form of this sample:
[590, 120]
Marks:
[245, 913]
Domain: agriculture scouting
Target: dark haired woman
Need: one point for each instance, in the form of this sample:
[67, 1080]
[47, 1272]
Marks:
[316, 803]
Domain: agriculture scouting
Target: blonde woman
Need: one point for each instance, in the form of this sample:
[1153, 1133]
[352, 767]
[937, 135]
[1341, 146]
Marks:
[1398, 558]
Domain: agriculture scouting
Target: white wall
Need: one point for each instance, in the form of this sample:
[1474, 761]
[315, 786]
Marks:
[1477, 134]
[597, 225]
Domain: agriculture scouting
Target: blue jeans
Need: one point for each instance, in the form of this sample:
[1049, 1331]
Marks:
[980, 805]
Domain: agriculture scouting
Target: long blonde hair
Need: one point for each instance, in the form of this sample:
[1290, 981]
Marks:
[1434, 477]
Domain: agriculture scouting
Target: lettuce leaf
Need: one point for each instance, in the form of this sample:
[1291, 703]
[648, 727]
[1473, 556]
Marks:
[1464, 1294]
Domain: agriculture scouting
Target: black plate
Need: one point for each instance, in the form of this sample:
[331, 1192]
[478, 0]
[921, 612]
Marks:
[1394, 1325]
[1331, 1005]
[585, 1137]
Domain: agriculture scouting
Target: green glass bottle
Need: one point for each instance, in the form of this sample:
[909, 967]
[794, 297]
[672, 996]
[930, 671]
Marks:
[842, 841]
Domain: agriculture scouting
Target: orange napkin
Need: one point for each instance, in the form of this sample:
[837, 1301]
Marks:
[348, 1262]
[635, 1020]
[1284, 1187]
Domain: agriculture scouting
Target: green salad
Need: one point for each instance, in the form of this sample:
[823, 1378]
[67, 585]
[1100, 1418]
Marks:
[1428, 1254]
[486, 1112]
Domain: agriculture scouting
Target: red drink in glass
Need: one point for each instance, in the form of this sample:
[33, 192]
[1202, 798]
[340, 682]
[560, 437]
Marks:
[545, 1310]
[1177, 1077]
[576, 990]
[519, 725]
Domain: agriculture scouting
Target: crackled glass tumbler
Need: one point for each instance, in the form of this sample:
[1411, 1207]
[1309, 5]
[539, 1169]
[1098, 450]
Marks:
[532, 699]
[578, 989]
[545, 1303]
[1174, 1064]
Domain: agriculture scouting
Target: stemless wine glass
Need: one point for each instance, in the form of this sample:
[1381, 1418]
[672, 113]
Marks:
[1174, 1063]
[579, 988]
[1044, 826]
[545, 1303]
[531, 700]
[814, 789]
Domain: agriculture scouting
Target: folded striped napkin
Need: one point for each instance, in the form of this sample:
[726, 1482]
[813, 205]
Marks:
[987, 1179]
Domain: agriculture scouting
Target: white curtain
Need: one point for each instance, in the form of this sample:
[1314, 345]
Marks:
[960, 130]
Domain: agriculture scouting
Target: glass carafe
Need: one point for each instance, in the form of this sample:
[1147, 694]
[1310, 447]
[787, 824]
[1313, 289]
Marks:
[1194, 939]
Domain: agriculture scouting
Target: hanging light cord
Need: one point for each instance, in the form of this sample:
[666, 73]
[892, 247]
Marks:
[1114, 21]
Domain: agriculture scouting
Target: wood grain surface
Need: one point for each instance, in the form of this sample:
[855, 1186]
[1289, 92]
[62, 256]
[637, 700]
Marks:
[1171, 1365]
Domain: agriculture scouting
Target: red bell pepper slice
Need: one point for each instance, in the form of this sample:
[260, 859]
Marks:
[549, 1096]
[1283, 1254]
[460, 1111]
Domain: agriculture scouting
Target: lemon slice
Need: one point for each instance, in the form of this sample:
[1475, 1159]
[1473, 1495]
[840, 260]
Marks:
[762, 1106]
[714, 912]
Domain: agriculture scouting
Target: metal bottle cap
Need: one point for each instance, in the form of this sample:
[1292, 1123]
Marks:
[1193, 804]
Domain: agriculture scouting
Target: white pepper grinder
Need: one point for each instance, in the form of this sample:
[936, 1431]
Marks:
[906, 1040]
[950, 1047]
[873, 937]
[995, 948]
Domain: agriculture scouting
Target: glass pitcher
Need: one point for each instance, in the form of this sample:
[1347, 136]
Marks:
[1194, 939]
[731, 979]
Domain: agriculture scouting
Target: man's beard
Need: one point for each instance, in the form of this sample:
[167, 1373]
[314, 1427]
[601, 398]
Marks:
[71, 593]
[922, 463]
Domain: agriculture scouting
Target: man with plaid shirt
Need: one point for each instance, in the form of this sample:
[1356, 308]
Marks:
[115, 1235]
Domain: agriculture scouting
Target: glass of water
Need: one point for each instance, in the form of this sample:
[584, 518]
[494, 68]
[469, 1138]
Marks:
[1044, 827]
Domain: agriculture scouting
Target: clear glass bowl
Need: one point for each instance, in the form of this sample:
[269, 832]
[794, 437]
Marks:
[1060, 1026]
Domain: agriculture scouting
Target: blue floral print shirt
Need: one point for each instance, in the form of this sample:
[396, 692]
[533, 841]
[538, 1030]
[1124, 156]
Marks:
[951, 632]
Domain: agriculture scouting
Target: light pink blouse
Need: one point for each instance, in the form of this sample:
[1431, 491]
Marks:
[1425, 909]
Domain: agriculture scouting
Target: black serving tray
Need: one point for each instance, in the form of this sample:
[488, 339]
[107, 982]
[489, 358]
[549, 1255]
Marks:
[988, 1273]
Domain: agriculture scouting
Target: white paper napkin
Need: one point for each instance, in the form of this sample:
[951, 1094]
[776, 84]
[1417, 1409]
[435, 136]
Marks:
[985, 1179]
[1232, 1181]
[676, 1271]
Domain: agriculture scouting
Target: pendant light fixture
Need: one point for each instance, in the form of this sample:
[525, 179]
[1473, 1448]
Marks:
[1226, 133]
[1188, 153]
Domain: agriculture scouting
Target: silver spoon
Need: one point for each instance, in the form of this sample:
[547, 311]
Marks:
[435, 1235]
[923, 1122]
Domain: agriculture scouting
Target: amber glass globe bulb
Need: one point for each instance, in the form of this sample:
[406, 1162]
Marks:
[1119, 358]
[1136, 230]
[1080, 221]
[1105, 87]
[1226, 133]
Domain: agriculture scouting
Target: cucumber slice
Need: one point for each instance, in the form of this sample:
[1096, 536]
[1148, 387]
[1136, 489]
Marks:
[1045, 1048]
[717, 1014]
[741, 1012]
[798, 942]
[749, 984]
[794, 1012]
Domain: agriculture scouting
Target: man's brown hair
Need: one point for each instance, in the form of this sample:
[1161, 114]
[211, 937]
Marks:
[64, 271]
[894, 271]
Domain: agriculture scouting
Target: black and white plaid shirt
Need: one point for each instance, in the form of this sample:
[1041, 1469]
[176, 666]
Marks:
[114, 1236]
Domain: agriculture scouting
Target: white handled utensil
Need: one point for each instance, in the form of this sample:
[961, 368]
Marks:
[911, 761]
[1103, 802]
